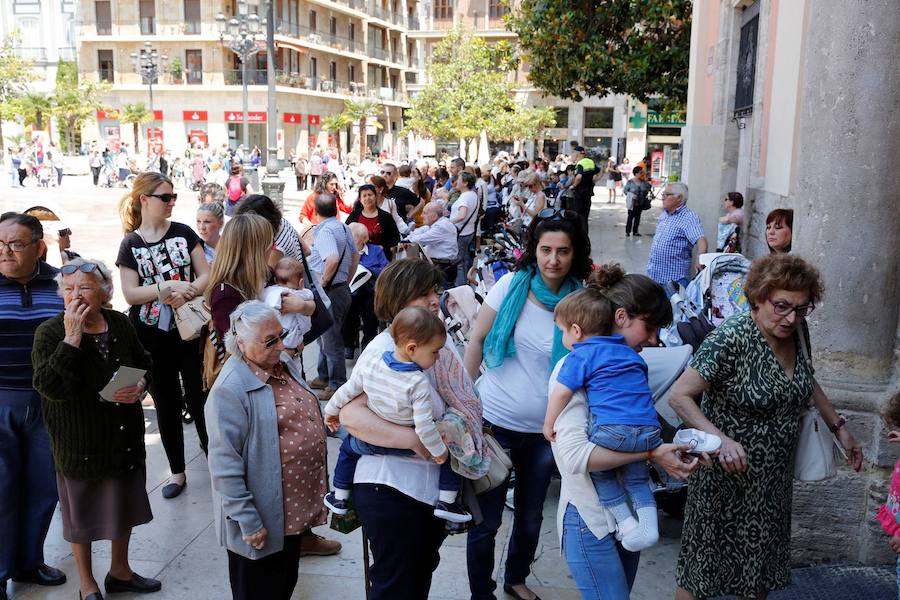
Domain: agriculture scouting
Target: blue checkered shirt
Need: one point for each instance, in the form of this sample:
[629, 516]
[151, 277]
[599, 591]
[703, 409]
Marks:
[670, 254]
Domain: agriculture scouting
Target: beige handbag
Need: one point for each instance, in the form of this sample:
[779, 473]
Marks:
[191, 317]
[498, 472]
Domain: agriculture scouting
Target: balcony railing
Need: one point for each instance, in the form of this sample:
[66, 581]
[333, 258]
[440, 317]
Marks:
[387, 55]
[192, 28]
[148, 25]
[297, 80]
[354, 4]
[104, 27]
[31, 53]
[322, 38]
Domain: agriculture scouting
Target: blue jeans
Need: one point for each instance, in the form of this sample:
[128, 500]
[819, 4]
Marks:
[353, 448]
[635, 476]
[533, 463]
[332, 365]
[602, 568]
[28, 493]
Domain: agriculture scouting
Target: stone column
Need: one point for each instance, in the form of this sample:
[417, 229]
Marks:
[847, 222]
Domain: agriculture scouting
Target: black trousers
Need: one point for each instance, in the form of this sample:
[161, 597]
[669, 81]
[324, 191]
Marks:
[361, 317]
[301, 182]
[405, 538]
[582, 205]
[172, 357]
[633, 221]
[23, 174]
[95, 171]
[272, 577]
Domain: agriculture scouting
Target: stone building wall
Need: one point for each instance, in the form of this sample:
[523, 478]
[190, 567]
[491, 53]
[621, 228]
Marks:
[838, 159]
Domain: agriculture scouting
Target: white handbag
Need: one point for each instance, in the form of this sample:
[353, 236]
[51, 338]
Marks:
[816, 446]
[498, 472]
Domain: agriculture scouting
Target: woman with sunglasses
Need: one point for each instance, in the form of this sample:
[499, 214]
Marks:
[755, 377]
[267, 457]
[516, 338]
[98, 443]
[162, 266]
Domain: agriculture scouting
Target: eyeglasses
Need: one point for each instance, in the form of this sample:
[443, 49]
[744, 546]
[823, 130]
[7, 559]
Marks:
[166, 198]
[15, 245]
[670, 194]
[69, 268]
[387, 172]
[783, 309]
[271, 342]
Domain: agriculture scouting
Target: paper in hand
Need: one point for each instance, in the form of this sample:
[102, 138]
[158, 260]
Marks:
[123, 378]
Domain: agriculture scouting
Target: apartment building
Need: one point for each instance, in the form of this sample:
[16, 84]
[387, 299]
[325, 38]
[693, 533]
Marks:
[326, 52]
[609, 126]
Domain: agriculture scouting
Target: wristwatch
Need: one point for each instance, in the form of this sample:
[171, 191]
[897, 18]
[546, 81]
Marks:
[837, 425]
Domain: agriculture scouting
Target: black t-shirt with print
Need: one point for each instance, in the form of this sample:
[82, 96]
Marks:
[168, 259]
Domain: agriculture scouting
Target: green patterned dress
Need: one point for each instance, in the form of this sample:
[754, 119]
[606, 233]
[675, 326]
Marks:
[737, 528]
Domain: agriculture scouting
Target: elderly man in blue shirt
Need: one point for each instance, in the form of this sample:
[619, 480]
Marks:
[334, 259]
[679, 230]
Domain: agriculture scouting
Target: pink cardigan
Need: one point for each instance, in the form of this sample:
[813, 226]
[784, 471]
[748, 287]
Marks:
[888, 514]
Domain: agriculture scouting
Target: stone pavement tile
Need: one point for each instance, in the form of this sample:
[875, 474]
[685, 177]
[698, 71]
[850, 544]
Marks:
[69, 591]
[197, 572]
[327, 588]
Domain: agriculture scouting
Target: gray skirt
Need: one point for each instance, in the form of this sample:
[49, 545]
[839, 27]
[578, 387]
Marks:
[106, 509]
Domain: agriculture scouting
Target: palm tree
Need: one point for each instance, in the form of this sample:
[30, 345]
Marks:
[336, 123]
[360, 111]
[135, 114]
[36, 109]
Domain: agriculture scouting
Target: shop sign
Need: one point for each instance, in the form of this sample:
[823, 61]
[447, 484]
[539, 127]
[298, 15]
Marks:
[155, 140]
[194, 115]
[658, 120]
[293, 118]
[238, 117]
[107, 115]
[313, 119]
[198, 137]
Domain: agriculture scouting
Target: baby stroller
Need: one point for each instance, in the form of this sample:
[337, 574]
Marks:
[459, 308]
[716, 293]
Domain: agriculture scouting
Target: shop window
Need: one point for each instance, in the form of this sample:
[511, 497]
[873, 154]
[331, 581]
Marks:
[105, 67]
[194, 62]
[598, 118]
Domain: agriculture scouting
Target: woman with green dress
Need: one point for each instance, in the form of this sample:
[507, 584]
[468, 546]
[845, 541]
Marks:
[754, 380]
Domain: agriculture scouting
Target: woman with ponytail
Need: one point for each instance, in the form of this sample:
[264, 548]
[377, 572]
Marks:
[516, 338]
[162, 266]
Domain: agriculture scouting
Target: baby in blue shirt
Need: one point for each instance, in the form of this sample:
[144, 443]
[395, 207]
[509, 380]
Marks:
[605, 325]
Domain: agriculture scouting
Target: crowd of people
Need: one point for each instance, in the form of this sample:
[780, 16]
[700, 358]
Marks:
[39, 162]
[551, 376]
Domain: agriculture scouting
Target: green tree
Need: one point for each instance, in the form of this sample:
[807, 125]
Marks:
[335, 124]
[36, 109]
[468, 89]
[361, 112]
[15, 74]
[525, 123]
[136, 114]
[76, 102]
[596, 47]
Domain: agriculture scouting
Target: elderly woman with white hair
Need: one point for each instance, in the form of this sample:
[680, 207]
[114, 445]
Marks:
[97, 442]
[266, 456]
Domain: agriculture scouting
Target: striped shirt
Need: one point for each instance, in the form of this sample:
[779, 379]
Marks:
[287, 241]
[22, 309]
[403, 398]
[674, 240]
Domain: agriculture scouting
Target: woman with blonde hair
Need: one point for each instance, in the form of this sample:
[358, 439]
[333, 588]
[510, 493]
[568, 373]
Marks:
[162, 266]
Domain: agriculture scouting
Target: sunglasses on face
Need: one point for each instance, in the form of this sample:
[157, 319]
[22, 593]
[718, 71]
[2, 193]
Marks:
[166, 198]
[271, 342]
[557, 214]
[783, 309]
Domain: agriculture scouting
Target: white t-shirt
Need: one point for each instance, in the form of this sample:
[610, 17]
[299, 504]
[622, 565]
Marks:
[412, 476]
[514, 394]
[469, 199]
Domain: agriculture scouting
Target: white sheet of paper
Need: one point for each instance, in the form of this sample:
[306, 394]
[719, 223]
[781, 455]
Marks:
[123, 378]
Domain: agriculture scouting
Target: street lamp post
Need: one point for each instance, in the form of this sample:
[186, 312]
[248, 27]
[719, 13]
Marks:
[240, 34]
[272, 185]
[149, 63]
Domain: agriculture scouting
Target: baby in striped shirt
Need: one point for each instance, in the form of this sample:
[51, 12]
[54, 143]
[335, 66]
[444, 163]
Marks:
[398, 391]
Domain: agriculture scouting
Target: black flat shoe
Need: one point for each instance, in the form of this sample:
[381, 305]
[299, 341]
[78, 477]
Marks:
[43, 575]
[137, 584]
[173, 490]
[509, 590]
[92, 596]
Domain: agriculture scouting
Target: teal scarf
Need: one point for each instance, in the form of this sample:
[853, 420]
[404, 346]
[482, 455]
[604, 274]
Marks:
[499, 343]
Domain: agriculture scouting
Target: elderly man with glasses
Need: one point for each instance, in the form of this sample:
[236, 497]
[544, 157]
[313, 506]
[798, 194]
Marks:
[678, 232]
[28, 494]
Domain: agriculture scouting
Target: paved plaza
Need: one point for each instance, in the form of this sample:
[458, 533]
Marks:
[179, 547]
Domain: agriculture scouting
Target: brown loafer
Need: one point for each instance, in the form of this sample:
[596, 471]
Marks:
[316, 545]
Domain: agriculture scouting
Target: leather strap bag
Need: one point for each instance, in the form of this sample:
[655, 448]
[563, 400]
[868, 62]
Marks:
[321, 319]
[498, 472]
[816, 446]
[191, 317]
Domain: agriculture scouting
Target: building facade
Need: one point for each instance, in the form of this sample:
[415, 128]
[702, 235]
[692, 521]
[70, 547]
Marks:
[794, 104]
[614, 125]
[327, 51]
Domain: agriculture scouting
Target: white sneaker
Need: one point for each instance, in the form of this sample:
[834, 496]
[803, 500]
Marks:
[698, 440]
